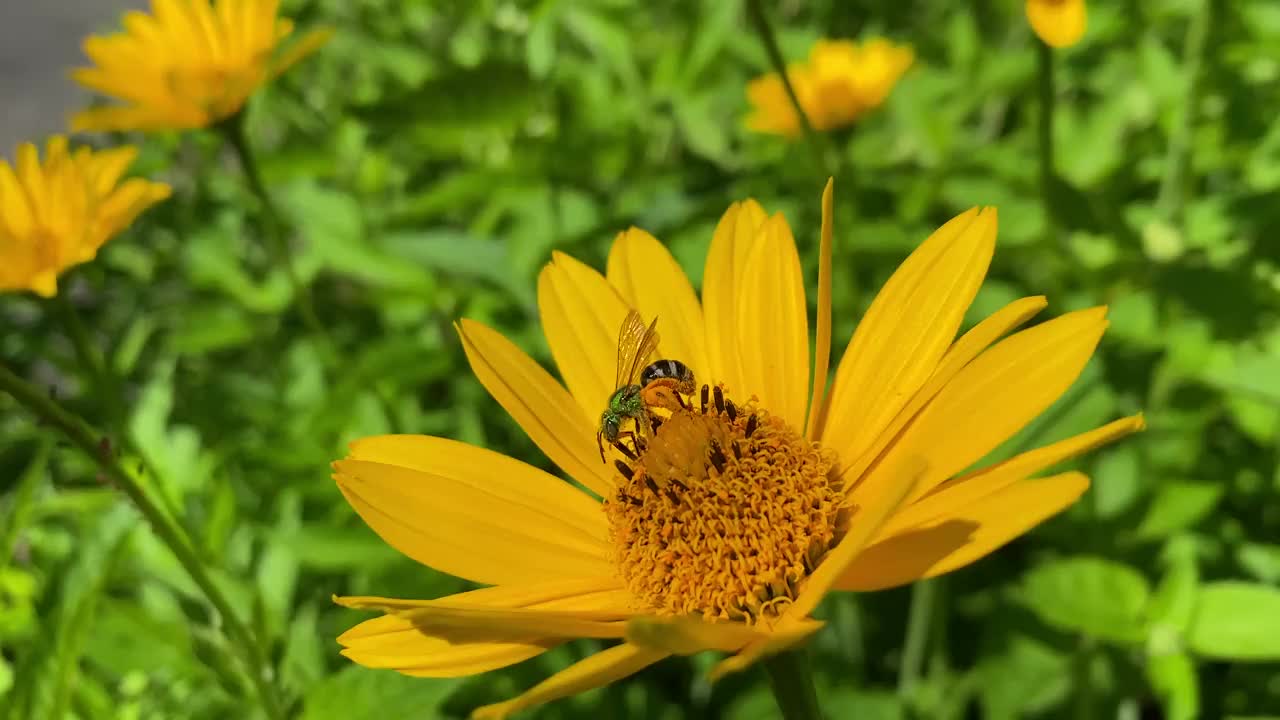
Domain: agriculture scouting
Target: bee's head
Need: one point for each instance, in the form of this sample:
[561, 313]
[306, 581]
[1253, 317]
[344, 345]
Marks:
[609, 425]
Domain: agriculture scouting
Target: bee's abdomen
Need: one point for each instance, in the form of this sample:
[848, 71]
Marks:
[673, 369]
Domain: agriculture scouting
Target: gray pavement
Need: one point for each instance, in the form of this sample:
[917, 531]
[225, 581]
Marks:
[39, 44]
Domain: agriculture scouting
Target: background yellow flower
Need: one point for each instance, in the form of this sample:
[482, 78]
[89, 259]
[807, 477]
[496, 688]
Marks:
[57, 213]
[1059, 23]
[841, 81]
[188, 64]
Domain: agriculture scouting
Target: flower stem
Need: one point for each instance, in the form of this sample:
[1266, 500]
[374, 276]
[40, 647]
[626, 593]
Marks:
[792, 683]
[918, 618]
[755, 11]
[94, 363]
[1169, 199]
[233, 132]
[1045, 136]
[100, 451]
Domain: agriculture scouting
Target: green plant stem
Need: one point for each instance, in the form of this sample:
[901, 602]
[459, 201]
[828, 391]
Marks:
[1044, 128]
[760, 21]
[109, 387]
[233, 132]
[78, 432]
[792, 683]
[93, 362]
[1169, 199]
[917, 639]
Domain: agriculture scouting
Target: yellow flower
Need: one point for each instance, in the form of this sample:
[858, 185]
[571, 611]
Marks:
[743, 510]
[187, 65]
[1059, 23]
[56, 214]
[841, 82]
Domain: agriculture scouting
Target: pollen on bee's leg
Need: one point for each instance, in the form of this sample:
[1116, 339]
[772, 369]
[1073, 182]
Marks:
[724, 513]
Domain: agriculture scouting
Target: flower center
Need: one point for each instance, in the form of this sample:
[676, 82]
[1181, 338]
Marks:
[723, 512]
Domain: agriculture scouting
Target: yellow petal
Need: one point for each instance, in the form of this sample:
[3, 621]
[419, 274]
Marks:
[396, 642]
[863, 528]
[581, 315]
[393, 642]
[592, 593]
[773, 325]
[205, 31]
[722, 285]
[541, 406]
[45, 283]
[970, 488]
[473, 513]
[471, 625]
[462, 619]
[651, 281]
[173, 20]
[994, 397]
[1059, 23]
[787, 634]
[966, 535]
[600, 669]
[771, 109]
[959, 355]
[905, 332]
[16, 213]
[822, 342]
[105, 168]
[688, 635]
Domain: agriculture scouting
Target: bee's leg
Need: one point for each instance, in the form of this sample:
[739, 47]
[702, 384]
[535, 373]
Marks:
[622, 447]
[637, 444]
[600, 444]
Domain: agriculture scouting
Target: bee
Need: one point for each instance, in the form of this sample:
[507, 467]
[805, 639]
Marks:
[664, 384]
[636, 343]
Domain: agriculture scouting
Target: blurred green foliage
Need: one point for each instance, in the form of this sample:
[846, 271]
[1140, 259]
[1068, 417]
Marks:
[431, 157]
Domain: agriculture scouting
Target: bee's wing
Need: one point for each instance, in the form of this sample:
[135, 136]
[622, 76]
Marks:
[636, 343]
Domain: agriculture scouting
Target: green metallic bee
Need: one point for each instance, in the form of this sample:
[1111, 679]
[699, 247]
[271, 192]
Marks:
[636, 343]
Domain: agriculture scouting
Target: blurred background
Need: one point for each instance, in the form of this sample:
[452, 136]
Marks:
[431, 157]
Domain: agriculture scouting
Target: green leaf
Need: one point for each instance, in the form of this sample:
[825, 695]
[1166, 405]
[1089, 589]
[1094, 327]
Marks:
[494, 96]
[359, 693]
[207, 329]
[540, 44]
[1237, 621]
[701, 129]
[1089, 595]
[48, 671]
[1173, 677]
[1117, 480]
[1025, 677]
[1261, 560]
[21, 501]
[1178, 506]
[333, 223]
[1174, 600]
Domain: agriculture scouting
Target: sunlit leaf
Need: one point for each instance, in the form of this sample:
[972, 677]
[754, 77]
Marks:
[1237, 621]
